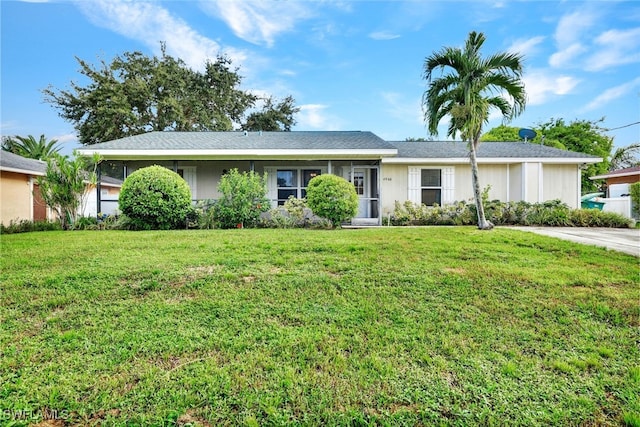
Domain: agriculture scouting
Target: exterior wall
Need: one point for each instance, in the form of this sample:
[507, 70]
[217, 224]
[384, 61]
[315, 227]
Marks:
[532, 176]
[515, 182]
[204, 176]
[393, 186]
[561, 182]
[531, 182]
[16, 199]
[495, 176]
[207, 173]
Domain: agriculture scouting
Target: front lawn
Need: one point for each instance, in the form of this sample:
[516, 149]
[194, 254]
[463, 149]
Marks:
[377, 326]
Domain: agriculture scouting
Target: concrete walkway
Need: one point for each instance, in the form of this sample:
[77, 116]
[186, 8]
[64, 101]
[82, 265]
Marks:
[625, 240]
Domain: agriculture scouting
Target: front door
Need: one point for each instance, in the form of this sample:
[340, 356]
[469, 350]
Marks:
[361, 183]
[39, 206]
[365, 182]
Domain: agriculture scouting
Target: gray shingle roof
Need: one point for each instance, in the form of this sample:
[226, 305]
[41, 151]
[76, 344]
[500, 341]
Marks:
[321, 140]
[13, 161]
[451, 149]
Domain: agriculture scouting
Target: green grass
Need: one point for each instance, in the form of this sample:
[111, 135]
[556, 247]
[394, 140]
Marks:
[403, 326]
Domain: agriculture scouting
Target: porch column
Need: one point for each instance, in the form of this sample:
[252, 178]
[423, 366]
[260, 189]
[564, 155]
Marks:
[175, 166]
[98, 189]
[329, 166]
[252, 165]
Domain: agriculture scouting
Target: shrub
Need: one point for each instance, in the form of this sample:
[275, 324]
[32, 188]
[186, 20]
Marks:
[332, 197]
[63, 187]
[25, 226]
[244, 198]
[551, 213]
[598, 218]
[634, 192]
[293, 214]
[155, 198]
[205, 214]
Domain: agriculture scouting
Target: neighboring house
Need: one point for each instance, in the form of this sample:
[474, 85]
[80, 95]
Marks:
[20, 197]
[19, 192]
[617, 182]
[382, 172]
[617, 187]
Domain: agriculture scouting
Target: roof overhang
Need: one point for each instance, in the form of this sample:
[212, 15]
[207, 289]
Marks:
[230, 154]
[615, 175]
[492, 160]
[22, 171]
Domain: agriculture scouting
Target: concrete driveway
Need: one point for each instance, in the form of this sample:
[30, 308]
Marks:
[625, 240]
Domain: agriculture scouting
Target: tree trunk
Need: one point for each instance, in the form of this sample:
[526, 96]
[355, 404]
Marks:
[483, 224]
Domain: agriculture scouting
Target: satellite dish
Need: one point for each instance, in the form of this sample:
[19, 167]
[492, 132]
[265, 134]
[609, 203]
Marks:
[527, 134]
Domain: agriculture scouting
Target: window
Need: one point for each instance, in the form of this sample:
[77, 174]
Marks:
[294, 182]
[358, 183]
[431, 186]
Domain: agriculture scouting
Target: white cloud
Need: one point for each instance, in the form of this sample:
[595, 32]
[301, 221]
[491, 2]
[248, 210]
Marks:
[618, 47]
[258, 21]
[67, 137]
[567, 56]
[383, 35]
[541, 85]
[401, 109]
[7, 127]
[525, 47]
[571, 31]
[571, 27]
[149, 23]
[314, 116]
[612, 94]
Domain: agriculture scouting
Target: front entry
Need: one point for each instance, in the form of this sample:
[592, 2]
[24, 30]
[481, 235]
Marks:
[365, 182]
[39, 206]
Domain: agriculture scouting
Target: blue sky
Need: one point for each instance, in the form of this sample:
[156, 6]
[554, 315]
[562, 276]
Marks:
[350, 65]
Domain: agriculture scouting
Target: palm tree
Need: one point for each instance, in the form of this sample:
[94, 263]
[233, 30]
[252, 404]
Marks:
[467, 89]
[625, 157]
[31, 148]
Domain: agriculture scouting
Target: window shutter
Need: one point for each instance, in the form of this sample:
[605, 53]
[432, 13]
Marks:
[413, 193]
[448, 185]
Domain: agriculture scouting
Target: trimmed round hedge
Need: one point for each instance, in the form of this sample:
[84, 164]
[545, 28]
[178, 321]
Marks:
[332, 197]
[155, 198]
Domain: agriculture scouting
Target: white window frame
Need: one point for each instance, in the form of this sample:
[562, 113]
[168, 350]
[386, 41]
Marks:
[447, 184]
[431, 187]
[272, 180]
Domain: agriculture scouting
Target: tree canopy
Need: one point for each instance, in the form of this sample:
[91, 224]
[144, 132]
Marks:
[625, 157]
[29, 147]
[134, 94]
[582, 136]
[274, 116]
[469, 87]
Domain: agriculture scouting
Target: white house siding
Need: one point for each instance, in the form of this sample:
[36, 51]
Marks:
[515, 182]
[532, 181]
[393, 186]
[560, 182]
[532, 175]
[495, 176]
